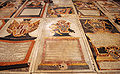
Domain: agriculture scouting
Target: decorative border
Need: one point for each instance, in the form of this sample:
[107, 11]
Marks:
[105, 69]
[30, 15]
[68, 62]
[26, 57]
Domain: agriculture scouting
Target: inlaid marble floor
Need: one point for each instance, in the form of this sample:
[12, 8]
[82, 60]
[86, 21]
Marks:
[59, 36]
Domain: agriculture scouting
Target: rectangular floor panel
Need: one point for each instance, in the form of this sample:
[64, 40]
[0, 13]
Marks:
[32, 10]
[87, 9]
[17, 41]
[62, 47]
[104, 41]
[62, 53]
[9, 7]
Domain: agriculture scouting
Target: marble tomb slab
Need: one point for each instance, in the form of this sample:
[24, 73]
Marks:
[109, 6]
[104, 40]
[87, 9]
[62, 48]
[20, 36]
[32, 9]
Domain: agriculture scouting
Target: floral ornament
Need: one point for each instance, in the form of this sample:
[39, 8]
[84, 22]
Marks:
[22, 28]
[61, 28]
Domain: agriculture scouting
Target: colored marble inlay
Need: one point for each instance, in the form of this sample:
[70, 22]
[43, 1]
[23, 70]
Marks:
[17, 53]
[87, 9]
[104, 40]
[110, 6]
[69, 57]
[61, 28]
[20, 31]
[59, 10]
[33, 8]
[9, 7]
[3, 22]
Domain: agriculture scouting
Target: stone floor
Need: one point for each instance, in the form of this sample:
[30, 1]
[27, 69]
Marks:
[59, 37]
